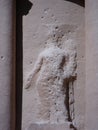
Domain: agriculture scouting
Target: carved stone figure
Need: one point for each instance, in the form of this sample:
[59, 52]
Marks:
[52, 73]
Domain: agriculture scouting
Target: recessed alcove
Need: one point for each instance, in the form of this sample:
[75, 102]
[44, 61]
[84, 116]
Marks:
[34, 20]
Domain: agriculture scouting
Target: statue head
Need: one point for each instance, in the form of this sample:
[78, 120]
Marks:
[54, 39]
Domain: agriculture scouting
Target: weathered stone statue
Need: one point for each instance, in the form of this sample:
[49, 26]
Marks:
[52, 71]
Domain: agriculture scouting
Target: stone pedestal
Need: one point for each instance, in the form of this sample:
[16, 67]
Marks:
[66, 126]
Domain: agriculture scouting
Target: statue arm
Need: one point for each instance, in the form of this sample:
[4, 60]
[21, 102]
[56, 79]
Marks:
[36, 69]
[70, 66]
[37, 65]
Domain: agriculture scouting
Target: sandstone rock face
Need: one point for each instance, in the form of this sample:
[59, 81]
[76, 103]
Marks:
[53, 66]
[5, 62]
[91, 65]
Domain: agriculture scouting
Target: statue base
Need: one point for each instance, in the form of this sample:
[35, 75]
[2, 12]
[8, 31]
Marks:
[65, 126]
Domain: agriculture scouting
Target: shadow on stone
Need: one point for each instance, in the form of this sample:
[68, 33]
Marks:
[22, 8]
[79, 2]
[67, 88]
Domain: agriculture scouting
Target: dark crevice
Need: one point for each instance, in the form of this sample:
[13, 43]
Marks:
[73, 127]
[62, 63]
[66, 89]
[22, 8]
[67, 99]
[79, 2]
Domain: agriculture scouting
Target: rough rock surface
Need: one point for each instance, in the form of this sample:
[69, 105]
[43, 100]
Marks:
[63, 24]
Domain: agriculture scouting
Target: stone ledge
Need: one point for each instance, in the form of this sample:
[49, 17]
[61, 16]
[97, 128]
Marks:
[66, 126]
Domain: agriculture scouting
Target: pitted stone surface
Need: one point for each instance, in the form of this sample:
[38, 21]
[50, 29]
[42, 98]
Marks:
[62, 23]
